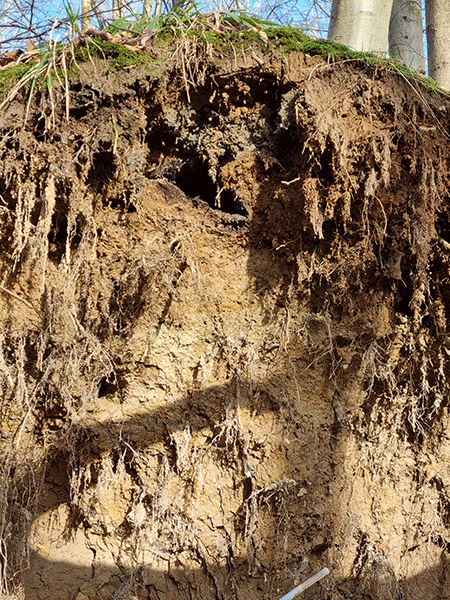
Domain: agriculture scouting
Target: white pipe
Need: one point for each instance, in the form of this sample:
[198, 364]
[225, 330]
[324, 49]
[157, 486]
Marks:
[305, 585]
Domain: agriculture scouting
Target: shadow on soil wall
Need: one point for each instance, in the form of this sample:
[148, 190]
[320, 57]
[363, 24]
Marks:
[311, 543]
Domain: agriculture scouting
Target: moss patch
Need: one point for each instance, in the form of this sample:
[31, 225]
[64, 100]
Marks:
[120, 57]
[289, 39]
[9, 77]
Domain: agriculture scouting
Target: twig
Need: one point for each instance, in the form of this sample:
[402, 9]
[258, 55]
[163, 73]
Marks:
[66, 84]
[305, 585]
[3, 289]
[116, 134]
[292, 181]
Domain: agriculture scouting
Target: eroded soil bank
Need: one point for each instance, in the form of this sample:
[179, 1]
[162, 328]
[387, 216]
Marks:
[224, 348]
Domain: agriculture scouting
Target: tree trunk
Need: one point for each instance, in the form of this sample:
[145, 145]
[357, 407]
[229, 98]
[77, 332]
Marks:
[438, 39]
[116, 10]
[85, 14]
[406, 35]
[147, 8]
[362, 25]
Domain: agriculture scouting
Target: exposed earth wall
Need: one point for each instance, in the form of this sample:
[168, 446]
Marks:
[224, 356]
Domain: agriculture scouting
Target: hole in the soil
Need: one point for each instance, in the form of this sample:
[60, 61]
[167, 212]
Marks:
[193, 179]
[57, 236]
[443, 225]
[7, 198]
[342, 341]
[82, 101]
[326, 165]
[108, 385]
[388, 109]
[428, 321]
[403, 302]
[54, 407]
[287, 141]
[329, 229]
[437, 482]
[76, 233]
[248, 488]
[103, 168]
[122, 203]
[415, 438]
[231, 203]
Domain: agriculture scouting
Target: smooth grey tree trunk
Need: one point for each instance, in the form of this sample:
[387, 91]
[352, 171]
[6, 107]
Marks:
[85, 14]
[438, 40]
[406, 34]
[363, 25]
[147, 8]
[116, 9]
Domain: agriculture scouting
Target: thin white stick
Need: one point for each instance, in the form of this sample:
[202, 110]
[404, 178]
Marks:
[308, 583]
[3, 289]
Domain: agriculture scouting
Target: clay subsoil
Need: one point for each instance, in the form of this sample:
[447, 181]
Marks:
[224, 358]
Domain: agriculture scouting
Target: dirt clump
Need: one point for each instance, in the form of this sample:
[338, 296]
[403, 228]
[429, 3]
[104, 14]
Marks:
[224, 352]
